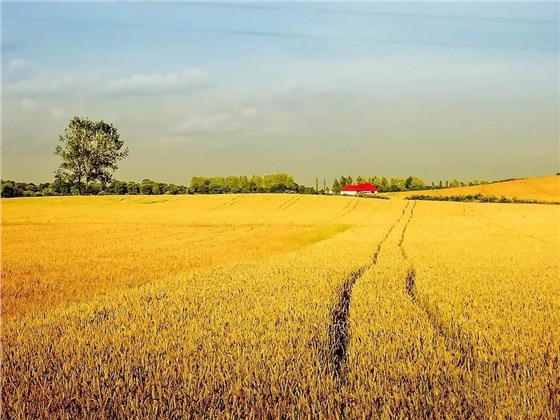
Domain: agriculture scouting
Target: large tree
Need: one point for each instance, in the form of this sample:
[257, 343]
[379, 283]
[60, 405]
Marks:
[336, 186]
[90, 151]
[413, 183]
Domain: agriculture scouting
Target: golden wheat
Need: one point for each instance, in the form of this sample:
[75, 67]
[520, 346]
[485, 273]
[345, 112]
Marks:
[541, 189]
[298, 306]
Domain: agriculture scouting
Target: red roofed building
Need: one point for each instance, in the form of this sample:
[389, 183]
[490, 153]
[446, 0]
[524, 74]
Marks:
[365, 188]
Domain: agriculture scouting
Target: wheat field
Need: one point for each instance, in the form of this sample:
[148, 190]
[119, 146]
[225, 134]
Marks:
[546, 188]
[279, 306]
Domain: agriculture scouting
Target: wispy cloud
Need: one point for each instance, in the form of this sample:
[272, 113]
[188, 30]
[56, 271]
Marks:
[20, 78]
[18, 70]
[420, 41]
[325, 7]
[249, 112]
[156, 83]
[28, 104]
[213, 125]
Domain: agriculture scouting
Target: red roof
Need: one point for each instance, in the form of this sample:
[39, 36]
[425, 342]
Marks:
[366, 187]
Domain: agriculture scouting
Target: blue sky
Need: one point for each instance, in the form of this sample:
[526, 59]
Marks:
[440, 90]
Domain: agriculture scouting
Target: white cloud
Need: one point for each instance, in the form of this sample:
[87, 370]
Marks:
[207, 123]
[216, 126]
[182, 82]
[28, 104]
[249, 112]
[159, 82]
[18, 70]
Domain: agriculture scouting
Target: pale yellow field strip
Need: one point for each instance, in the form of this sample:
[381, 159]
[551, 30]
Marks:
[541, 189]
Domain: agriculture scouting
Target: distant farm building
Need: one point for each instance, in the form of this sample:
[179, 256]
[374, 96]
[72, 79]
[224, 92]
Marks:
[365, 188]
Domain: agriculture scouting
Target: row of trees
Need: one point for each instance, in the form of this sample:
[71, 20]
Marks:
[412, 183]
[272, 183]
[60, 187]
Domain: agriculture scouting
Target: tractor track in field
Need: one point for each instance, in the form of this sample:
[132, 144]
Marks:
[404, 231]
[228, 203]
[288, 203]
[339, 338]
[453, 340]
[342, 211]
[352, 208]
[292, 203]
[339, 335]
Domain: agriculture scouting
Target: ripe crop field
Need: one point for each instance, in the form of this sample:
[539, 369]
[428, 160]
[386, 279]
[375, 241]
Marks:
[258, 306]
[541, 189]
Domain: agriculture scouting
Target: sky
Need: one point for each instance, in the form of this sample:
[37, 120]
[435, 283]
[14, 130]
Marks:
[437, 90]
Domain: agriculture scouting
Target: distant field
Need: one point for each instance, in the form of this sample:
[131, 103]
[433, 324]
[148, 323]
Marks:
[543, 189]
[57, 250]
[259, 306]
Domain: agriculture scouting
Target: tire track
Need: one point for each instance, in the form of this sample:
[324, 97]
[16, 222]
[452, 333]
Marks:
[342, 211]
[339, 339]
[292, 203]
[453, 340]
[228, 203]
[288, 203]
[404, 231]
[284, 204]
[352, 208]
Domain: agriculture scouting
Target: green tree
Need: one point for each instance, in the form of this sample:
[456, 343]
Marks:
[146, 187]
[94, 188]
[407, 183]
[8, 188]
[119, 187]
[383, 185]
[413, 183]
[397, 184]
[60, 187]
[89, 151]
[132, 188]
[336, 186]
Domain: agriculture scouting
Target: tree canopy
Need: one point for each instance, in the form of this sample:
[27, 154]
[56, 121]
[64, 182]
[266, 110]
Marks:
[89, 151]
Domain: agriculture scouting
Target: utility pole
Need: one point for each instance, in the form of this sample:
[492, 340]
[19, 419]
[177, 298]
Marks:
[316, 184]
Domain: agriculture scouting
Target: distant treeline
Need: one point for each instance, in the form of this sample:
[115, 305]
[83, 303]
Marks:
[273, 183]
[479, 198]
[115, 187]
[412, 183]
